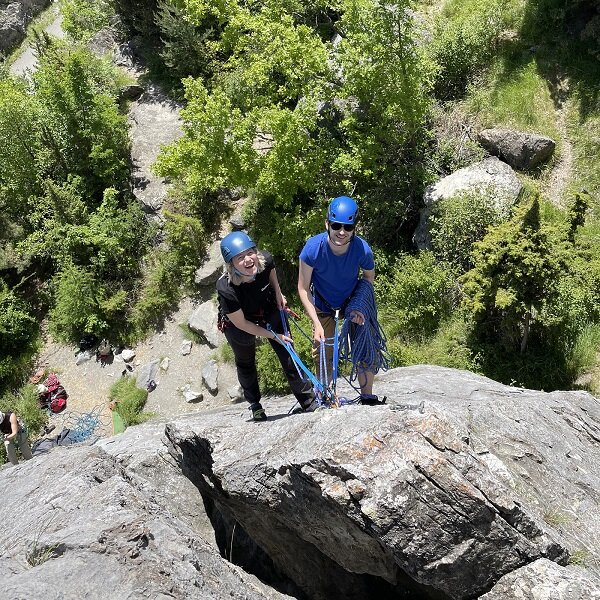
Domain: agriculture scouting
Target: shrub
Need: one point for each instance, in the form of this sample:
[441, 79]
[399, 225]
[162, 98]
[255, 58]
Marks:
[463, 45]
[82, 18]
[18, 335]
[416, 296]
[130, 401]
[456, 223]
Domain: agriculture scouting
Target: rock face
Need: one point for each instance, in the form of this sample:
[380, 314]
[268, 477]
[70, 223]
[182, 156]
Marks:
[154, 122]
[459, 500]
[115, 521]
[14, 18]
[490, 177]
[544, 579]
[519, 149]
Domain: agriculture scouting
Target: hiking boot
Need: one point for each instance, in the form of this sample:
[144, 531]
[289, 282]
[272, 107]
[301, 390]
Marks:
[371, 400]
[258, 413]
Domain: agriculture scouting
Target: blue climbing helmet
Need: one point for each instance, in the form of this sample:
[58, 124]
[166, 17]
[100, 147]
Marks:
[343, 210]
[234, 243]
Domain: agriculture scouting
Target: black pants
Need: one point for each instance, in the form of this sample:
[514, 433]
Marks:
[244, 348]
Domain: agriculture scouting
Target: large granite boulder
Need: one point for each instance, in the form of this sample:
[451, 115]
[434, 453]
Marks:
[116, 521]
[544, 579]
[484, 489]
[212, 268]
[14, 18]
[521, 150]
[490, 177]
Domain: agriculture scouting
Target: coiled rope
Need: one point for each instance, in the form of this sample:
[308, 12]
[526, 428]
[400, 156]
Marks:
[365, 346]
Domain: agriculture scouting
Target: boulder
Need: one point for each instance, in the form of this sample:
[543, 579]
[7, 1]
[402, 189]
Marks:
[147, 374]
[204, 322]
[186, 347]
[210, 375]
[521, 150]
[545, 579]
[439, 502]
[114, 521]
[212, 268]
[491, 177]
[14, 18]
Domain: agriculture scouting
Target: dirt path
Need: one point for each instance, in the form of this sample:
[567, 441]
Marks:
[89, 384]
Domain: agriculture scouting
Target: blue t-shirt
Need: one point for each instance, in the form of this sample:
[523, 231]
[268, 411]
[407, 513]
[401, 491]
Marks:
[334, 277]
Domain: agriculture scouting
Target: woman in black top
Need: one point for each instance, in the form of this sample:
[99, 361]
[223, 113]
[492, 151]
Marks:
[249, 299]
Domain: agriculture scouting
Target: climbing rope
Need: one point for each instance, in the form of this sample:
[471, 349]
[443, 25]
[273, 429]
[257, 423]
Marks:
[363, 345]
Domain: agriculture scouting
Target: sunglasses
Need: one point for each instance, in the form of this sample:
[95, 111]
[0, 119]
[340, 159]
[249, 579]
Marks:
[346, 226]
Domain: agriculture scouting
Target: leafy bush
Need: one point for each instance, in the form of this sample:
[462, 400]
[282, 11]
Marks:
[82, 18]
[18, 335]
[76, 308]
[462, 46]
[448, 347]
[456, 223]
[416, 296]
[130, 401]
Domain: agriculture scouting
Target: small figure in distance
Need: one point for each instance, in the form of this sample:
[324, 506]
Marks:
[15, 434]
[250, 300]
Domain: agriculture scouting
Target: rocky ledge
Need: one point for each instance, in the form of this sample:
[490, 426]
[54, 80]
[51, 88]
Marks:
[460, 487]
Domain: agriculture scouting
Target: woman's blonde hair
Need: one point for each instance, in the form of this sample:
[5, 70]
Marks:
[235, 278]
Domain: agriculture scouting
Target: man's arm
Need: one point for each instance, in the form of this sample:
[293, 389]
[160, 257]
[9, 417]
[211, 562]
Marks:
[14, 424]
[304, 277]
[369, 275]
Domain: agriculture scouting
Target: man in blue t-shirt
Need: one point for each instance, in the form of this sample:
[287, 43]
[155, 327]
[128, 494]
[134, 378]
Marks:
[330, 264]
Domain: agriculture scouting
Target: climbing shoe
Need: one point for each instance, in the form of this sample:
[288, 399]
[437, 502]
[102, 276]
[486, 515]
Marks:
[310, 407]
[258, 413]
[371, 400]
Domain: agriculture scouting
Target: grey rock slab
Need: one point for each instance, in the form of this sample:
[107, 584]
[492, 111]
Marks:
[204, 322]
[521, 150]
[210, 376]
[154, 122]
[448, 499]
[545, 580]
[211, 270]
[83, 357]
[147, 374]
[490, 177]
[106, 525]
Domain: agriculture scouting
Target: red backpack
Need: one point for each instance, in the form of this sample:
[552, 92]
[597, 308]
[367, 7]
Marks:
[58, 404]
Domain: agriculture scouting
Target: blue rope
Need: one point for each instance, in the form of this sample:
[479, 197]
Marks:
[363, 345]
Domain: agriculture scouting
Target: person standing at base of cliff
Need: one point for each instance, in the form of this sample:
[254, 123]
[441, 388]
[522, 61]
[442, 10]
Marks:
[250, 300]
[15, 434]
[330, 265]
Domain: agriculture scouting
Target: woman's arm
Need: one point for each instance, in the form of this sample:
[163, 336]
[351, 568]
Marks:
[14, 424]
[240, 321]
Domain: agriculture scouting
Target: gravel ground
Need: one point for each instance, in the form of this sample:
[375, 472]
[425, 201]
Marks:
[88, 384]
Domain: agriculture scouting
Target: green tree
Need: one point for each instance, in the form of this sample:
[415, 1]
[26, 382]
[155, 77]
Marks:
[515, 275]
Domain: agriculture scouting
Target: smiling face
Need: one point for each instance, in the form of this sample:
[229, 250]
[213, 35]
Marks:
[246, 263]
[339, 234]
